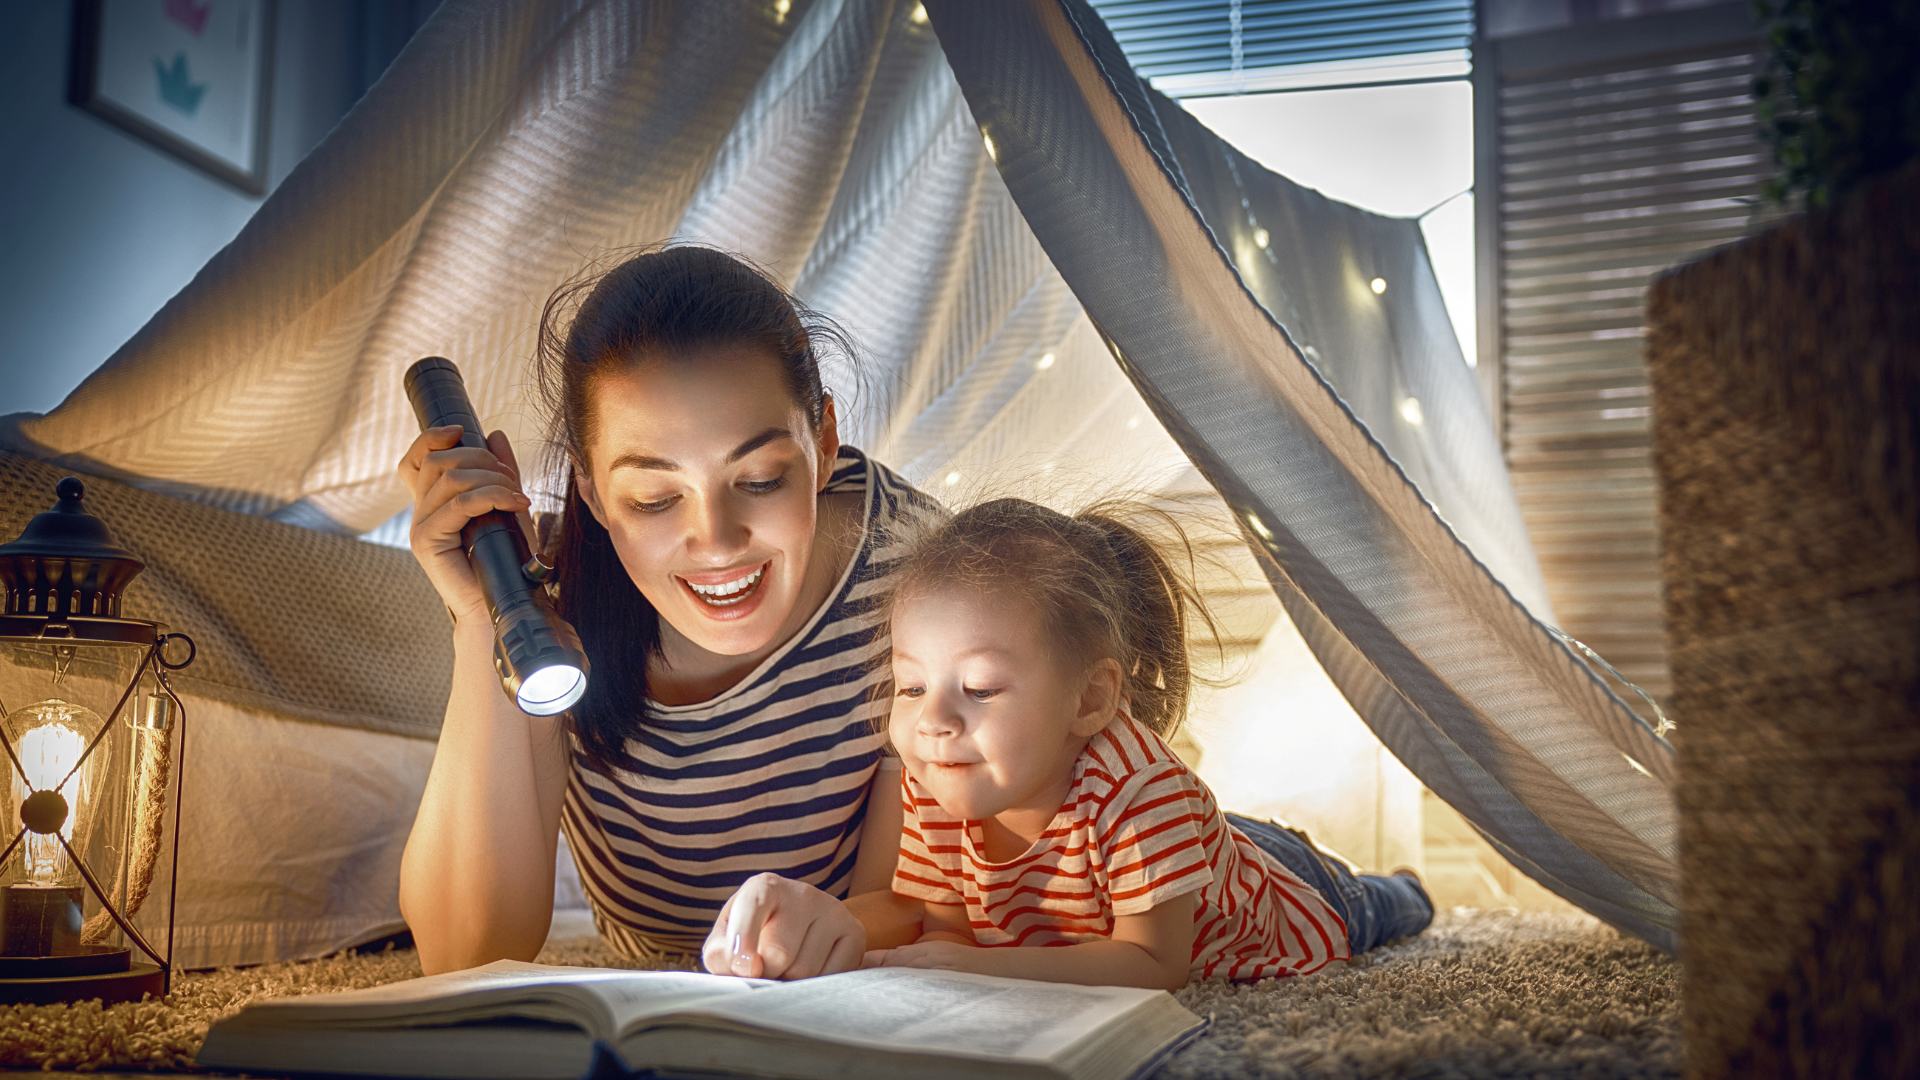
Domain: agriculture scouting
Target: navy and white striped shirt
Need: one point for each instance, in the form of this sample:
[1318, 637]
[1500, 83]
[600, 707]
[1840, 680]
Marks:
[771, 775]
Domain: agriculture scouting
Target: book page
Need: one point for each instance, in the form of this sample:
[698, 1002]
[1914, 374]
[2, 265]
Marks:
[600, 1000]
[946, 1012]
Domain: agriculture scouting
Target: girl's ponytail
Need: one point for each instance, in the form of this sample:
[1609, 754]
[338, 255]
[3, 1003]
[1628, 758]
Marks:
[1151, 617]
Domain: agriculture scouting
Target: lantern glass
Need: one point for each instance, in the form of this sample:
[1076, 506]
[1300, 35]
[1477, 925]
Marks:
[72, 788]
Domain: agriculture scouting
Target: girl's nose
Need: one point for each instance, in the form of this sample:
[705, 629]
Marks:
[937, 720]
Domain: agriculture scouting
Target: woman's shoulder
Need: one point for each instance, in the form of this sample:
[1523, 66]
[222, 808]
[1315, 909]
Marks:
[901, 512]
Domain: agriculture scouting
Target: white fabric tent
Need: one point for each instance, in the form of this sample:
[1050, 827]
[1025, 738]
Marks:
[839, 143]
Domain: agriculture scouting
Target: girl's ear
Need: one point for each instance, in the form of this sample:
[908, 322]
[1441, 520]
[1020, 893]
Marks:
[1100, 699]
[584, 481]
[829, 443]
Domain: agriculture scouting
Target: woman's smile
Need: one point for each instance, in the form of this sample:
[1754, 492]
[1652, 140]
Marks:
[727, 595]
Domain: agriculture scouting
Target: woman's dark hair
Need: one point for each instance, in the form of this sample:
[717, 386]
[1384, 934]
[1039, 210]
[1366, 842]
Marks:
[1103, 586]
[658, 304]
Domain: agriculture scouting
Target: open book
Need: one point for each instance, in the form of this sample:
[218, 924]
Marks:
[510, 1019]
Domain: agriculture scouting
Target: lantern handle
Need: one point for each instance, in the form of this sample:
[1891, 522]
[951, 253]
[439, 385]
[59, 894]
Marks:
[160, 650]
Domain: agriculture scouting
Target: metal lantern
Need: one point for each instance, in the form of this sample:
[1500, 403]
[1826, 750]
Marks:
[93, 738]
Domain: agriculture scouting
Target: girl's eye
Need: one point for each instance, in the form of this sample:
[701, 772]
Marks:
[909, 691]
[981, 695]
[655, 506]
[763, 487]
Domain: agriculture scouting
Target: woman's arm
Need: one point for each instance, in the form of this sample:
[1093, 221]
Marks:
[476, 879]
[776, 928]
[1153, 949]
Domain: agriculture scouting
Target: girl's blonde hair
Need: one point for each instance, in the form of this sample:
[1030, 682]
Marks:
[1103, 586]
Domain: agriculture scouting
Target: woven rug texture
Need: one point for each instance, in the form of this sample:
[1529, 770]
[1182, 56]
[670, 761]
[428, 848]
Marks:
[1480, 993]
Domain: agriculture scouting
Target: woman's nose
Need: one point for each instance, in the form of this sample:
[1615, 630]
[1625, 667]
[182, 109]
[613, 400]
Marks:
[717, 532]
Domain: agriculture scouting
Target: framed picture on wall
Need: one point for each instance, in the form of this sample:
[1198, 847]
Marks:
[189, 76]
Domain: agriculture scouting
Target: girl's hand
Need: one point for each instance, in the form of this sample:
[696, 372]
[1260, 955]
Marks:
[452, 485]
[939, 955]
[776, 928]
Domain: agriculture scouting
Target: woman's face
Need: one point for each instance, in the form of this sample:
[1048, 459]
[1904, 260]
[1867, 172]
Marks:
[705, 472]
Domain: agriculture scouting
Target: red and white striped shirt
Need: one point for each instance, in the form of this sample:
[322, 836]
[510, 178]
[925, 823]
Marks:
[1137, 828]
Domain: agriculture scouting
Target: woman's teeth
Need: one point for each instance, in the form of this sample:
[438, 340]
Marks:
[728, 592]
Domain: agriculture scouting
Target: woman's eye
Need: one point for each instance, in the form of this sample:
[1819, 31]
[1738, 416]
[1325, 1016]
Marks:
[909, 691]
[763, 487]
[981, 694]
[655, 506]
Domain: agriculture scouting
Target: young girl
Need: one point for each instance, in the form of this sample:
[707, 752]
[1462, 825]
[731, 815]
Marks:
[1039, 661]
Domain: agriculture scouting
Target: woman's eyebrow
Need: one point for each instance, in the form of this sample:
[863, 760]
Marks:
[646, 461]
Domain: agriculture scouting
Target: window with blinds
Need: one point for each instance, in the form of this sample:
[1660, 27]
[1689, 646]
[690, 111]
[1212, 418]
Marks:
[1605, 155]
[1198, 47]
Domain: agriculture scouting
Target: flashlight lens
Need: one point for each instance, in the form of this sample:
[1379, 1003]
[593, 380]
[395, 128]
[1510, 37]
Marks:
[552, 689]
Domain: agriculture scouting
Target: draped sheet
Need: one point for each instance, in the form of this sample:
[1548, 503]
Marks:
[1441, 658]
[839, 143]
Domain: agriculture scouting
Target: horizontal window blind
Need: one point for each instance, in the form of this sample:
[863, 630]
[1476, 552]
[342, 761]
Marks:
[1607, 173]
[1201, 46]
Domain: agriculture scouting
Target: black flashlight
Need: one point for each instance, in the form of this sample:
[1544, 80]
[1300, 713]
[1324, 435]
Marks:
[541, 663]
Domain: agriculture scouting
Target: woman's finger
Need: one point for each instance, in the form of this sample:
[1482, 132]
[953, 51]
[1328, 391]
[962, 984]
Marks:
[431, 532]
[503, 449]
[808, 957]
[751, 907]
[487, 485]
[470, 459]
[844, 956]
[414, 460]
[715, 954]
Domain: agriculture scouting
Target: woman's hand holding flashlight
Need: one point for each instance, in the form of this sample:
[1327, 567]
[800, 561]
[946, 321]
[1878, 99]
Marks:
[452, 485]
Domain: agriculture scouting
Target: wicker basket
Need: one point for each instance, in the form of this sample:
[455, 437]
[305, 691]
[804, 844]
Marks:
[1786, 382]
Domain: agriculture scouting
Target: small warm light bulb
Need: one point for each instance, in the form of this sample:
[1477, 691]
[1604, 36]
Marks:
[1410, 410]
[50, 740]
[992, 151]
[919, 16]
[1259, 527]
[1639, 768]
[1260, 236]
[780, 9]
[1133, 422]
[1378, 285]
[952, 478]
[1045, 362]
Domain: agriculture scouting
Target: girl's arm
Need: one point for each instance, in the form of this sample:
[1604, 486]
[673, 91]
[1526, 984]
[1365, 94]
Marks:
[1153, 949]
[945, 922]
[889, 919]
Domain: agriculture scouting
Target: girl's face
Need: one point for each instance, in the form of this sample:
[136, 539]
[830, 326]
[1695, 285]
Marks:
[983, 716]
[705, 473]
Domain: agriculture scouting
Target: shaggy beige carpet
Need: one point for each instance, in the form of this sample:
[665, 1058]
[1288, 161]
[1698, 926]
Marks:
[1480, 993]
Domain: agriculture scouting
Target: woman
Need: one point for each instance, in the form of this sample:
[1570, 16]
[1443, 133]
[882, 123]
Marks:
[719, 553]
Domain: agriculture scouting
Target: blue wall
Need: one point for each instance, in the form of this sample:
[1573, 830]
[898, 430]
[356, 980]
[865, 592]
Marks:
[99, 228]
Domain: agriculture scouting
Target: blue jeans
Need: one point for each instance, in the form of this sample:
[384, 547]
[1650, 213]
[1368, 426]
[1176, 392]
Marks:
[1376, 909]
